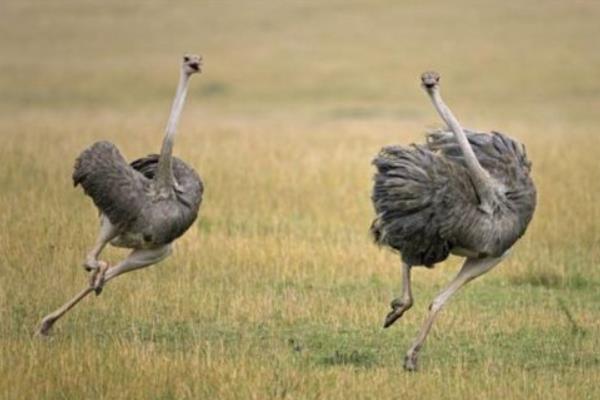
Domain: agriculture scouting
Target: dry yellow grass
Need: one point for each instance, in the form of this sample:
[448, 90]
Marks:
[277, 291]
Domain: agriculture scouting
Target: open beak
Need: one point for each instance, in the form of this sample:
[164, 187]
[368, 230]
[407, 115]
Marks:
[430, 79]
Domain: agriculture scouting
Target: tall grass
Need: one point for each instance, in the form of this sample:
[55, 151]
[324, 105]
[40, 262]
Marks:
[277, 290]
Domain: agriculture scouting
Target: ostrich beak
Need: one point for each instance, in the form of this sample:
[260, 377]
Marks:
[430, 79]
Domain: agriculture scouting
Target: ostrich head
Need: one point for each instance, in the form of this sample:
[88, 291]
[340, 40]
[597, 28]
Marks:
[191, 64]
[430, 80]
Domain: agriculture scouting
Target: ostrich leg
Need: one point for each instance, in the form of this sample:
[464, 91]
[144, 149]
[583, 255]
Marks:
[471, 269]
[137, 259]
[106, 234]
[50, 319]
[404, 302]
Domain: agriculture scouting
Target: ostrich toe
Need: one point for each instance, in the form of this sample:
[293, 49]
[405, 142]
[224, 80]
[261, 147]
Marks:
[399, 307]
[97, 278]
[410, 362]
[91, 264]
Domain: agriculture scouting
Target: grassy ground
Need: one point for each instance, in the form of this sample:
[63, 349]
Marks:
[277, 291]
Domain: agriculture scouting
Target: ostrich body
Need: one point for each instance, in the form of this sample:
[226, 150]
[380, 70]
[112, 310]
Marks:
[143, 206]
[463, 192]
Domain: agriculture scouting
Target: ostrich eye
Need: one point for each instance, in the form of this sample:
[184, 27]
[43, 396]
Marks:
[186, 59]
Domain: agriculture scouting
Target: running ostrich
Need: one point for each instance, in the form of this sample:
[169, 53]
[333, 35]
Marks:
[463, 192]
[143, 206]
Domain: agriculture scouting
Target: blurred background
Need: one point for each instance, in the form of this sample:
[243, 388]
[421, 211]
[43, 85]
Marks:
[337, 59]
[277, 291]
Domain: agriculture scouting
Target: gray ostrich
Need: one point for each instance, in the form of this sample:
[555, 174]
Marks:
[143, 206]
[469, 194]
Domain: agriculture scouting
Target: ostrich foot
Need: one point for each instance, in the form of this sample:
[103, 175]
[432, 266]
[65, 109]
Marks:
[45, 326]
[91, 264]
[399, 307]
[410, 361]
[97, 278]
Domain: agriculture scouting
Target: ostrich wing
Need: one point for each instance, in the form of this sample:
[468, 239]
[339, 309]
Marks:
[410, 192]
[118, 190]
[189, 187]
[505, 159]
[147, 166]
[183, 207]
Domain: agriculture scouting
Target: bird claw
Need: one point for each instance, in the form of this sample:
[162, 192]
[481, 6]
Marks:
[398, 309]
[396, 303]
[97, 278]
[410, 362]
[91, 264]
[45, 326]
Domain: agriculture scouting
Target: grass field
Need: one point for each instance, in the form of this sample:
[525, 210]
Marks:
[277, 290]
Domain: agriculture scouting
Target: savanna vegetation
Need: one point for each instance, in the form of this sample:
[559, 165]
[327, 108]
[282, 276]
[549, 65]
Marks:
[277, 291]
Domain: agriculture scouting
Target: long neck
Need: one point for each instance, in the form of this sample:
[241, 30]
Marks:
[481, 178]
[164, 175]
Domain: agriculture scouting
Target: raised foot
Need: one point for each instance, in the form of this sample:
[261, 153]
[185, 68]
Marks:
[399, 307]
[91, 264]
[97, 277]
[410, 362]
[45, 326]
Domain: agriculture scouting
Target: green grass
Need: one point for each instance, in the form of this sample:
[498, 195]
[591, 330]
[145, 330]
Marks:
[277, 290]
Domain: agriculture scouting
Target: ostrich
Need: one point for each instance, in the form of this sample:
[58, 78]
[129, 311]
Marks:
[463, 192]
[143, 206]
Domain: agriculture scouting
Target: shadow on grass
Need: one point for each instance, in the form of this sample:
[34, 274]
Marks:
[355, 358]
[342, 347]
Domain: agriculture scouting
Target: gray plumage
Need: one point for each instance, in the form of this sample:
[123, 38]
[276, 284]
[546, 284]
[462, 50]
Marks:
[462, 192]
[143, 206]
[426, 203]
[128, 196]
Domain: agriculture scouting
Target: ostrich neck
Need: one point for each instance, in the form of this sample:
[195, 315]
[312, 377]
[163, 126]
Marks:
[164, 176]
[481, 179]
